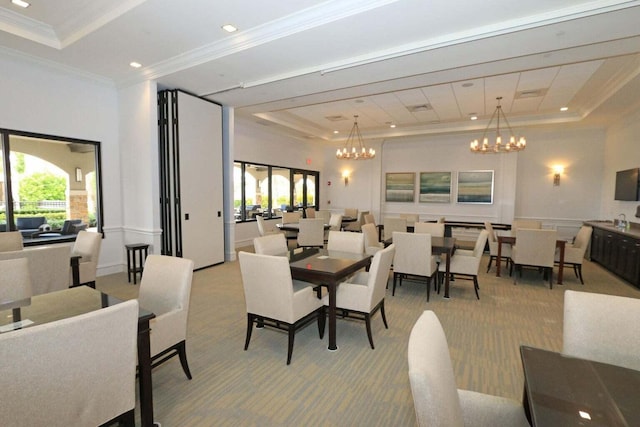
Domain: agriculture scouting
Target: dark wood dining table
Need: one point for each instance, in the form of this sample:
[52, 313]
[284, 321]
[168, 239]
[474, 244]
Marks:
[294, 226]
[566, 391]
[328, 269]
[560, 244]
[49, 307]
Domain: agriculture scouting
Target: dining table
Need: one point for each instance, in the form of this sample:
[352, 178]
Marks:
[294, 226]
[326, 268]
[565, 391]
[53, 306]
[560, 244]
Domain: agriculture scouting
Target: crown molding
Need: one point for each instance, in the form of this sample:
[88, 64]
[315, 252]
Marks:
[27, 28]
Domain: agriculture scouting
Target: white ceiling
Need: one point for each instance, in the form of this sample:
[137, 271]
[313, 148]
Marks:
[307, 67]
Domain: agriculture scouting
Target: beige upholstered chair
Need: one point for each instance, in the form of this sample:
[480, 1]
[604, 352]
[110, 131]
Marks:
[574, 253]
[371, 243]
[87, 245]
[363, 294]
[352, 212]
[324, 215]
[291, 217]
[165, 289]
[369, 219]
[525, 223]
[413, 258]
[535, 248]
[356, 226]
[275, 300]
[437, 400]
[15, 283]
[10, 241]
[466, 263]
[311, 232]
[274, 244]
[344, 241]
[48, 265]
[393, 224]
[335, 222]
[441, 220]
[602, 328]
[79, 371]
[433, 228]
[411, 218]
[493, 247]
[310, 212]
[263, 229]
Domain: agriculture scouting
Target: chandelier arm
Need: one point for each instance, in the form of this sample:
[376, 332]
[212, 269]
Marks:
[484, 134]
[508, 125]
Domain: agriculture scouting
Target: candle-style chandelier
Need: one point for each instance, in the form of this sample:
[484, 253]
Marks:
[354, 148]
[513, 143]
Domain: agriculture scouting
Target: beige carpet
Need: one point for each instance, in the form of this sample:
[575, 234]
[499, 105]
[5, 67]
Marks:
[354, 386]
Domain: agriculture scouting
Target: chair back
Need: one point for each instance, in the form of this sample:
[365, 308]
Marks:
[433, 228]
[602, 328]
[413, 253]
[582, 238]
[268, 287]
[370, 233]
[346, 241]
[324, 215]
[335, 222]
[310, 212]
[525, 223]
[492, 234]
[433, 386]
[393, 224]
[534, 247]
[481, 242]
[11, 241]
[87, 245]
[441, 220]
[411, 218]
[79, 371]
[165, 289]
[271, 244]
[261, 225]
[352, 212]
[369, 219]
[311, 232]
[15, 283]
[291, 217]
[379, 274]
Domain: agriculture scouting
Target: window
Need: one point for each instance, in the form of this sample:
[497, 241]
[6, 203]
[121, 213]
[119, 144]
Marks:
[269, 190]
[50, 186]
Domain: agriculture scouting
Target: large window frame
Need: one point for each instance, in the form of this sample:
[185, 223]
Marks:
[245, 172]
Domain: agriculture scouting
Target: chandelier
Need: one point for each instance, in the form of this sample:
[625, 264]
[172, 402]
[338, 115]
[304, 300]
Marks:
[499, 147]
[354, 147]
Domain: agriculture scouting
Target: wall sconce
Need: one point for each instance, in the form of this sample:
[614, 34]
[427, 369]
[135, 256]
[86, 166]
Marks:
[345, 176]
[78, 175]
[557, 171]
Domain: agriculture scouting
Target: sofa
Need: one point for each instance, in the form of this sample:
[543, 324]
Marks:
[30, 224]
[48, 265]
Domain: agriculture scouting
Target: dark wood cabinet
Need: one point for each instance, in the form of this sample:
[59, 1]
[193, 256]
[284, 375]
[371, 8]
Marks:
[617, 251]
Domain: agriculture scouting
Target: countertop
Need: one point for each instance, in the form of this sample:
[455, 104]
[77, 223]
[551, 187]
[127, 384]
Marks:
[634, 231]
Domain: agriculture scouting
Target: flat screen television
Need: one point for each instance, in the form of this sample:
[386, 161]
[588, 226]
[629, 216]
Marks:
[627, 185]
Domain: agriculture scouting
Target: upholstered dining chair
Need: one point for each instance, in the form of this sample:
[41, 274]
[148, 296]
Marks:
[87, 245]
[345, 241]
[413, 258]
[291, 217]
[79, 371]
[574, 252]
[534, 248]
[363, 294]
[11, 241]
[411, 218]
[263, 230]
[356, 226]
[311, 233]
[274, 299]
[324, 215]
[273, 244]
[15, 283]
[392, 224]
[466, 263]
[602, 328]
[371, 243]
[335, 222]
[310, 213]
[525, 223]
[351, 212]
[434, 228]
[369, 219]
[493, 247]
[436, 398]
[165, 289]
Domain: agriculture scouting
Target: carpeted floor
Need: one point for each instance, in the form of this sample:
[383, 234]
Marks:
[354, 386]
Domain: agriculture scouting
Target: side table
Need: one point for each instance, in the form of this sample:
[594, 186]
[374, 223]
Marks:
[133, 267]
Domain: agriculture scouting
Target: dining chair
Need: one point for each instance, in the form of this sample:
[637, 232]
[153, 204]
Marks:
[493, 247]
[263, 230]
[325, 215]
[356, 226]
[15, 283]
[362, 295]
[310, 212]
[602, 328]
[291, 217]
[411, 218]
[274, 299]
[371, 243]
[11, 241]
[466, 263]
[574, 252]
[273, 244]
[525, 223]
[49, 266]
[369, 219]
[413, 258]
[391, 224]
[79, 371]
[165, 289]
[436, 398]
[433, 228]
[87, 245]
[441, 220]
[311, 233]
[345, 241]
[335, 222]
[351, 212]
[534, 248]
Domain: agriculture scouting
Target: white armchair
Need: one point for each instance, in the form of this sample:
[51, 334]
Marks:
[413, 257]
[165, 289]
[437, 400]
[391, 224]
[345, 241]
[574, 253]
[263, 229]
[434, 228]
[10, 241]
[274, 299]
[87, 245]
[311, 233]
[363, 294]
[371, 243]
[15, 283]
[465, 263]
[493, 247]
[534, 248]
[273, 244]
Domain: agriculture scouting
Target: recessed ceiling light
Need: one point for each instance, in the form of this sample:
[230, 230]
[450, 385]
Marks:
[21, 3]
[564, 108]
[468, 84]
[135, 64]
[473, 117]
[392, 125]
[336, 131]
[229, 28]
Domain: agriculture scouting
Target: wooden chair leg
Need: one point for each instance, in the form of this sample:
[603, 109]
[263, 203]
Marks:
[475, 286]
[384, 317]
[292, 334]
[249, 329]
[182, 354]
[490, 261]
[395, 276]
[580, 273]
[428, 287]
[367, 319]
